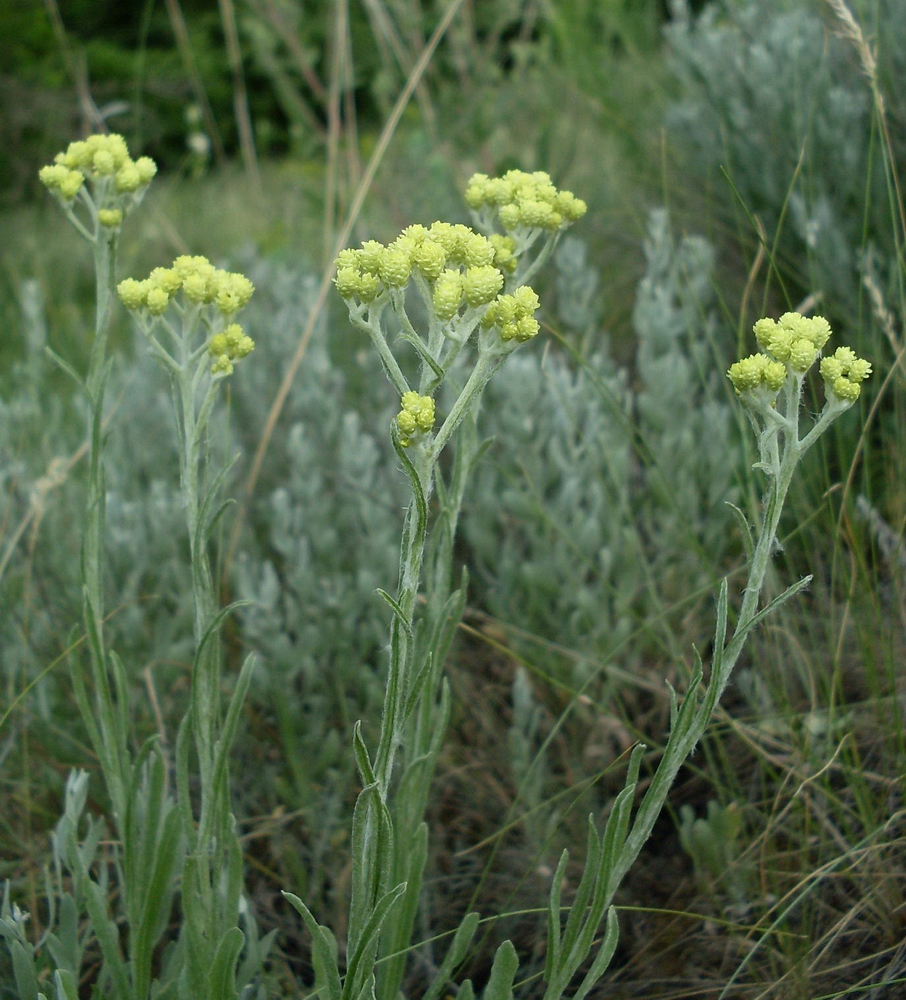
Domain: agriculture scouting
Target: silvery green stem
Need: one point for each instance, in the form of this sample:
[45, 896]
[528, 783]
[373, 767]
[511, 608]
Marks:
[488, 362]
[611, 856]
[108, 726]
[524, 277]
[415, 532]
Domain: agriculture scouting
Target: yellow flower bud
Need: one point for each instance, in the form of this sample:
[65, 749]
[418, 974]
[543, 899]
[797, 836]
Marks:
[774, 375]
[102, 163]
[370, 256]
[448, 292]
[477, 251]
[510, 217]
[480, 285]
[347, 282]
[110, 217]
[831, 369]
[430, 259]
[166, 278]
[394, 268]
[128, 178]
[71, 184]
[195, 287]
[78, 154]
[233, 292]
[802, 354]
[417, 414]
[369, 287]
[146, 169]
[245, 346]
[218, 345]
[157, 301]
[132, 293]
[51, 177]
[848, 391]
[526, 328]
[118, 150]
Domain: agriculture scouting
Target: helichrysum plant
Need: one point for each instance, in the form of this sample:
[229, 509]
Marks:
[471, 287]
[481, 296]
[163, 842]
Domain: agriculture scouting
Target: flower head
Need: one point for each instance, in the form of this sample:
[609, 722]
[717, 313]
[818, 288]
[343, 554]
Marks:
[458, 264]
[193, 285]
[416, 418]
[523, 200]
[513, 315]
[793, 339]
[843, 374]
[791, 345]
[101, 168]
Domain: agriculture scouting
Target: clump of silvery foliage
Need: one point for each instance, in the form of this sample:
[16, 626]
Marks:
[322, 533]
[605, 504]
[776, 113]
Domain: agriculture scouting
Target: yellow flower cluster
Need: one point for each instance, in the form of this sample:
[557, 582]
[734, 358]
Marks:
[844, 373]
[793, 339]
[416, 415]
[199, 280]
[463, 266]
[229, 346]
[755, 371]
[792, 344]
[525, 201]
[513, 315]
[201, 284]
[104, 161]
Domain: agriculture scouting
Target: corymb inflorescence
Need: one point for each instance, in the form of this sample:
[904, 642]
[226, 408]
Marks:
[523, 201]
[99, 171]
[470, 282]
[790, 346]
[200, 294]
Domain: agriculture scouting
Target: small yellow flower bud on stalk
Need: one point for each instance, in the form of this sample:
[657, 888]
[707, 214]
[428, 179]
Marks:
[395, 267]
[369, 287]
[115, 183]
[166, 278]
[128, 179]
[71, 184]
[417, 415]
[147, 169]
[110, 217]
[477, 250]
[430, 259]
[233, 292]
[132, 293]
[347, 282]
[802, 355]
[370, 256]
[504, 252]
[102, 163]
[448, 291]
[513, 315]
[481, 284]
[843, 374]
[157, 301]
